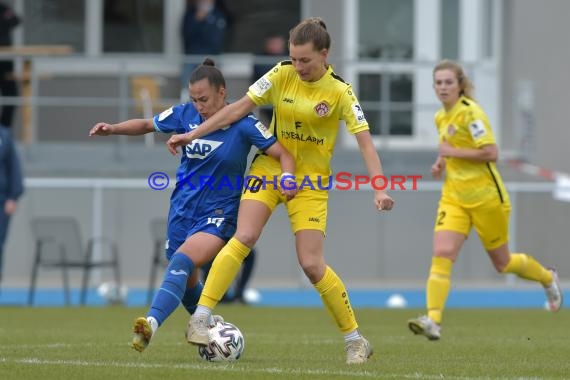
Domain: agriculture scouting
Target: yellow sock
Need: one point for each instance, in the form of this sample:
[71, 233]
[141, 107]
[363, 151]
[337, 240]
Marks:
[525, 266]
[334, 296]
[438, 284]
[224, 269]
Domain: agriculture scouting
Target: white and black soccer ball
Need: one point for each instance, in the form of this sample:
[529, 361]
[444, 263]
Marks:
[113, 293]
[226, 343]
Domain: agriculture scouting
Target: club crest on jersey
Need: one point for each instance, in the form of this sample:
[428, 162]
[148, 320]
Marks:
[451, 129]
[322, 109]
[201, 149]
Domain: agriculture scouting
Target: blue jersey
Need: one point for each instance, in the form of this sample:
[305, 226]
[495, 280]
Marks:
[210, 176]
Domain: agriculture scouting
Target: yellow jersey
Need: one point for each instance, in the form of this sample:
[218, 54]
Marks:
[306, 117]
[469, 183]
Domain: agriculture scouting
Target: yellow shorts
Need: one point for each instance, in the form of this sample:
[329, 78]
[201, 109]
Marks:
[491, 223]
[307, 211]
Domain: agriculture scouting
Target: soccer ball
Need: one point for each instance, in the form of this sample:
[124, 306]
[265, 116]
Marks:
[112, 293]
[226, 344]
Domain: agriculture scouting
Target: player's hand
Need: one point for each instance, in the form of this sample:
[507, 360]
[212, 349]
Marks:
[101, 129]
[178, 140]
[288, 188]
[383, 201]
[437, 168]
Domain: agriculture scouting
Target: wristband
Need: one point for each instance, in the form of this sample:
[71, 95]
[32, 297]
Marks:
[287, 176]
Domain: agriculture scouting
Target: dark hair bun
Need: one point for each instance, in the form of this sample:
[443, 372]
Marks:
[319, 21]
[209, 62]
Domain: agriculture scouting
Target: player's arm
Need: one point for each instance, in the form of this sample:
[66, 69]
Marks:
[287, 181]
[224, 117]
[485, 153]
[382, 200]
[132, 127]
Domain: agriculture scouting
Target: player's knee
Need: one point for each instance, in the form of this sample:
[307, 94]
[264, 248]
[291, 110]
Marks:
[312, 273]
[248, 238]
[445, 251]
[314, 270]
[500, 257]
[500, 265]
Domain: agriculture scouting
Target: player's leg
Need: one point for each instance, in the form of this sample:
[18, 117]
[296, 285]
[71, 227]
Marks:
[165, 301]
[201, 248]
[309, 244]
[144, 327]
[252, 217]
[245, 275]
[205, 270]
[493, 229]
[180, 283]
[452, 226]
[308, 214]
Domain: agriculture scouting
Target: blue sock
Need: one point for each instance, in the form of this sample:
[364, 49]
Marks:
[172, 288]
[191, 297]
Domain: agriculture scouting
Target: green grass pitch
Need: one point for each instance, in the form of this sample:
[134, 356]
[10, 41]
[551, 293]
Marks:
[285, 343]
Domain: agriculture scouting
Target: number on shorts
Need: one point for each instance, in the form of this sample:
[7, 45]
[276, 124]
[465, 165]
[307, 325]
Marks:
[253, 185]
[440, 218]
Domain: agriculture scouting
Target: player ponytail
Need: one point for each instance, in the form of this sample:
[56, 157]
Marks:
[208, 70]
[312, 30]
[465, 84]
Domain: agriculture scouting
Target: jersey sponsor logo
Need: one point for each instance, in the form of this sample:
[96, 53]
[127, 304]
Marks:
[288, 100]
[302, 137]
[261, 86]
[201, 149]
[178, 272]
[477, 129]
[217, 221]
[322, 109]
[314, 219]
[193, 126]
[263, 129]
[164, 114]
[358, 113]
[451, 129]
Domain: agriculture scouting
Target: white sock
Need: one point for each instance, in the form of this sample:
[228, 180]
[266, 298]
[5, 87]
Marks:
[353, 335]
[153, 324]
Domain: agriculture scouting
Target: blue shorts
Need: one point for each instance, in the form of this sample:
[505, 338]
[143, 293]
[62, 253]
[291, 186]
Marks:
[180, 228]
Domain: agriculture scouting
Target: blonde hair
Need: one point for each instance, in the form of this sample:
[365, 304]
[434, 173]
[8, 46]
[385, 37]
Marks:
[465, 84]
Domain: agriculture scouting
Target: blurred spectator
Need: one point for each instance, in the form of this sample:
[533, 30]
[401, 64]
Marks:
[8, 21]
[203, 31]
[11, 185]
[274, 50]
